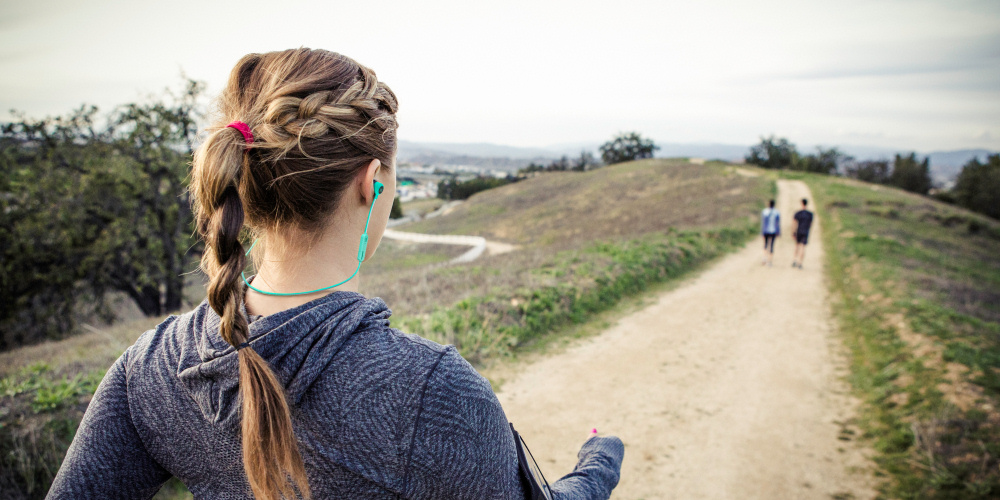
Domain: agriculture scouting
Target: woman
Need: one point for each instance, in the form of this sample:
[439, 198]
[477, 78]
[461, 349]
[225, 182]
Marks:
[290, 383]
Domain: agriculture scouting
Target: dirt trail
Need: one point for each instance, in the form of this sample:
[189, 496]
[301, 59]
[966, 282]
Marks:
[726, 387]
[478, 244]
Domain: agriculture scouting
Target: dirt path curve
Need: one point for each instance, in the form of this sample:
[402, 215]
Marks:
[726, 387]
[478, 244]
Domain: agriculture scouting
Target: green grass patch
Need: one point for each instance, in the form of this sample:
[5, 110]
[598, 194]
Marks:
[585, 282]
[905, 271]
[41, 411]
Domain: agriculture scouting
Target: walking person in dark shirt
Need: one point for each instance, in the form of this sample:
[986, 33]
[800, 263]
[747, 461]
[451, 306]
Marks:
[803, 222]
[770, 229]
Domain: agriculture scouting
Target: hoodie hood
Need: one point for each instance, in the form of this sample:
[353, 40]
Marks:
[298, 344]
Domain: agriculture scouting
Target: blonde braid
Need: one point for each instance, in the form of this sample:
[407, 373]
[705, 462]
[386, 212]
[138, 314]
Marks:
[318, 119]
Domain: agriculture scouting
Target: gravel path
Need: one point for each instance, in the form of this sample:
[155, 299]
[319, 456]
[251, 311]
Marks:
[729, 386]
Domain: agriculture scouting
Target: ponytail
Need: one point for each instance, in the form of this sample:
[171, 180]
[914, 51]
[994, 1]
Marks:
[271, 458]
[317, 119]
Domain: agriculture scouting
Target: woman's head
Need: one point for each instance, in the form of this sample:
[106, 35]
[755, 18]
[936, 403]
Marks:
[319, 120]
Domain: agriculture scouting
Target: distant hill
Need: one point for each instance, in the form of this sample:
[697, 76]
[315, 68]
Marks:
[945, 165]
[430, 152]
[408, 149]
[710, 151]
[621, 201]
[484, 155]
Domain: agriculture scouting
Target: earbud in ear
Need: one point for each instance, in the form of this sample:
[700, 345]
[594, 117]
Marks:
[363, 247]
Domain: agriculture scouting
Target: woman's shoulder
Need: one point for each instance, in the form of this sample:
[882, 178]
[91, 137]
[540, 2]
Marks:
[448, 361]
[444, 372]
[153, 339]
[170, 341]
[414, 343]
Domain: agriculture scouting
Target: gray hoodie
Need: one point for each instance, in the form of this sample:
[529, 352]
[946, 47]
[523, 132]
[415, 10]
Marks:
[378, 414]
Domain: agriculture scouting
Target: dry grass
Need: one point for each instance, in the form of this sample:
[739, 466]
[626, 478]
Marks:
[563, 211]
[566, 209]
[423, 206]
[96, 349]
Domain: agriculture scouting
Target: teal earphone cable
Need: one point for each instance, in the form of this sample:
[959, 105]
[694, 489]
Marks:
[362, 248]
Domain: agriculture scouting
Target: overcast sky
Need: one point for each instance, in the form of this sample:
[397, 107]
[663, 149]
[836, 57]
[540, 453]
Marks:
[906, 74]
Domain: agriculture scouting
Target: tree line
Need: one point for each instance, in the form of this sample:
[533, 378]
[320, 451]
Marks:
[623, 147]
[977, 187]
[92, 204]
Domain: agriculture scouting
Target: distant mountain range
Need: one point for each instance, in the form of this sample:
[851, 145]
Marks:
[945, 165]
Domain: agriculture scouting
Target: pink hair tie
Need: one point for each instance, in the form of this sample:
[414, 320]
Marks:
[244, 129]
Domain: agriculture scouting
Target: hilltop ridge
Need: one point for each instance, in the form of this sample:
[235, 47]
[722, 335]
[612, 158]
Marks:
[945, 165]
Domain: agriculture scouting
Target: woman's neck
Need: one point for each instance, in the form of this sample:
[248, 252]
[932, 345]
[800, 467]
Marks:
[292, 268]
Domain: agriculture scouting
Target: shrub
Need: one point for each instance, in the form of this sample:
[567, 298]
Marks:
[627, 147]
[454, 189]
[978, 186]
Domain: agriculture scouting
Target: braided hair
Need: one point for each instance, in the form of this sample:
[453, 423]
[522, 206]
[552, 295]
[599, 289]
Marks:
[318, 118]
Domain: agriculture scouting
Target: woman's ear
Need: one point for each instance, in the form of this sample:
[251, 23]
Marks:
[367, 178]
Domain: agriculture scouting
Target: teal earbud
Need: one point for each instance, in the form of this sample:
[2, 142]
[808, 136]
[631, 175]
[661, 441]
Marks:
[363, 247]
[362, 250]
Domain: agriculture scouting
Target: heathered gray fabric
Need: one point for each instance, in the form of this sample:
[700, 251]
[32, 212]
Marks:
[378, 414]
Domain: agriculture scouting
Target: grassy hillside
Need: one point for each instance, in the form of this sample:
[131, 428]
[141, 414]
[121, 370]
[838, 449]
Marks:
[585, 241]
[565, 209]
[564, 212]
[916, 285]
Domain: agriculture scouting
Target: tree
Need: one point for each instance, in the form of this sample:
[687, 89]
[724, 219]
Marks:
[911, 174]
[825, 161]
[41, 261]
[560, 165]
[396, 212]
[157, 137]
[88, 209]
[869, 171]
[627, 147]
[585, 161]
[531, 168]
[978, 186]
[454, 189]
[776, 153]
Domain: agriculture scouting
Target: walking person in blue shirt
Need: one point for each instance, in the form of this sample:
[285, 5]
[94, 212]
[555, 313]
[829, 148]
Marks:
[803, 222]
[770, 228]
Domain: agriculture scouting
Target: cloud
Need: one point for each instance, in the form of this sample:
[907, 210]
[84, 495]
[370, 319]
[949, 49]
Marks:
[984, 136]
[973, 54]
[20, 14]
